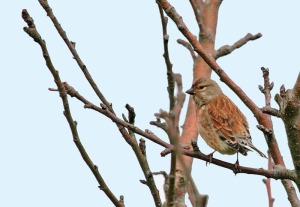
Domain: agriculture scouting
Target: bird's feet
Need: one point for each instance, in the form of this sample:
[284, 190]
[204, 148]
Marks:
[211, 155]
[236, 169]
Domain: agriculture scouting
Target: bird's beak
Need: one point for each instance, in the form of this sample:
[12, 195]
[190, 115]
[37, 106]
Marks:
[190, 91]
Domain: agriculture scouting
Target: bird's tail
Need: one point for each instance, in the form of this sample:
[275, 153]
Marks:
[252, 148]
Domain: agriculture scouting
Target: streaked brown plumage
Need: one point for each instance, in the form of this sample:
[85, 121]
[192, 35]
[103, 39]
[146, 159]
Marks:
[220, 123]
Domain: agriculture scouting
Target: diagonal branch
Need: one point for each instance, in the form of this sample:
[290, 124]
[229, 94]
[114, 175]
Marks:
[278, 173]
[63, 88]
[267, 182]
[227, 49]
[71, 46]
[33, 33]
[262, 118]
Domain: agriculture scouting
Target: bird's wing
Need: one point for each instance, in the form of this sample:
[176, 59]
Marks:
[230, 123]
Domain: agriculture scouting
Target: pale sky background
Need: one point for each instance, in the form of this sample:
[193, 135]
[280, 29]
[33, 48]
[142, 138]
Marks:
[121, 44]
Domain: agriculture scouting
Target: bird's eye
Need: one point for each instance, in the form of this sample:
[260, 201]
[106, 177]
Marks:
[201, 87]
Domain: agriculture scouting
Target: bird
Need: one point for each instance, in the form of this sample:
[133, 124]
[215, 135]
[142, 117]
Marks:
[219, 121]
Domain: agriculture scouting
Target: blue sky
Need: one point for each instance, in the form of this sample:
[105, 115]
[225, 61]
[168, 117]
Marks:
[121, 44]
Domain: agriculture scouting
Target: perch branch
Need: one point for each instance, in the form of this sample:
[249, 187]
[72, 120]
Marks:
[276, 174]
[262, 118]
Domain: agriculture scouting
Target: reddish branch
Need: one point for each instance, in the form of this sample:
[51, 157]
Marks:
[266, 90]
[206, 13]
[263, 119]
[267, 182]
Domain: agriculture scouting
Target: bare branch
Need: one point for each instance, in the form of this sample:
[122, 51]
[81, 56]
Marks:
[281, 173]
[142, 145]
[262, 118]
[160, 124]
[163, 173]
[227, 49]
[266, 90]
[171, 12]
[289, 103]
[32, 32]
[71, 46]
[271, 111]
[296, 88]
[140, 152]
[267, 182]
[131, 113]
[173, 137]
[188, 46]
[106, 107]
[197, 7]
[169, 65]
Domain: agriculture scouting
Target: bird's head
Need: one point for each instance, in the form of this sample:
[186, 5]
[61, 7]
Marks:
[204, 90]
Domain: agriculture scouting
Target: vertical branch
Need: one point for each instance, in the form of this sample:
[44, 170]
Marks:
[171, 128]
[169, 65]
[289, 103]
[262, 118]
[267, 181]
[206, 14]
[140, 153]
[266, 90]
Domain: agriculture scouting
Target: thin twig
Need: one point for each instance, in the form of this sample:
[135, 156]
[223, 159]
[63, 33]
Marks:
[227, 49]
[71, 46]
[32, 32]
[173, 137]
[107, 106]
[189, 47]
[271, 111]
[267, 181]
[166, 55]
[140, 153]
